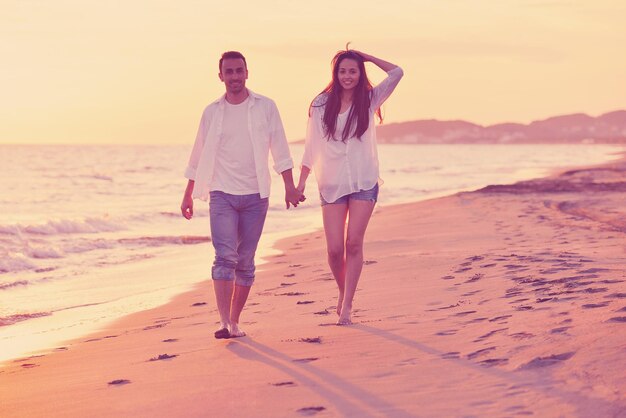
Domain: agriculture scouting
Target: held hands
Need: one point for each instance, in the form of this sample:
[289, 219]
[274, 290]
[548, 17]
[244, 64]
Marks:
[293, 196]
[186, 207]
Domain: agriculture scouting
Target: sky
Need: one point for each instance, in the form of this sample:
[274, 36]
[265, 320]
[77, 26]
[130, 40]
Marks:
[142, 71]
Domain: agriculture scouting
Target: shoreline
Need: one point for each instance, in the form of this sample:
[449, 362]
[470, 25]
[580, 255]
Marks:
[83, 313]
[513, 291]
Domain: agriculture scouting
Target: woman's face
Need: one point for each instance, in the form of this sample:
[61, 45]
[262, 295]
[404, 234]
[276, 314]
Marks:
[348, 73]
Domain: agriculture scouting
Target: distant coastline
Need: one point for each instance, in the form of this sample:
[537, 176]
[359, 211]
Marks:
[608, 128]
[577, 128]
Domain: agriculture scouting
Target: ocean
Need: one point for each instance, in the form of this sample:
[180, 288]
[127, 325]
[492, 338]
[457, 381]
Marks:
[89, 234]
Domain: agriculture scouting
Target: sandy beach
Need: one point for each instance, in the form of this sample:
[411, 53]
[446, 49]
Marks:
[507, 301]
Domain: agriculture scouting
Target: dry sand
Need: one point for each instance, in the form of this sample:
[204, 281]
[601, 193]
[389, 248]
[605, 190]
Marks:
[510, 301]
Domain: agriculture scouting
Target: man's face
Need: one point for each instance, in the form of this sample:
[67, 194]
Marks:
[234, 75]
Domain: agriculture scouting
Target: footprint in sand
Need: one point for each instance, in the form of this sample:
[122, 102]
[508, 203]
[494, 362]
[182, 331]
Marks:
[444, 307]
[499, 318]
[489, 334]
[368, 262]
[170, 340]
[611, 281]
[540, 362]
[154, 326]
[447, 332]
[324, 312]
[163, 357]
[559, 330]
[551, 271]
[288, 383]
[465, 313]
[512, 392]
[289, 275]
[593, 270]
[480, 352]
[513, 292]
[310, 410]
[476, 277]
[617, 319]
[476, 320]
[514, 266]
[595, 305]
[119, 382]
[522, 335]
[519, 410]
[305, 360]
[594, 289]
[451, 355]
[493, 362]
[313, 340]
[29, 365]
[199, 304]
[304, 302]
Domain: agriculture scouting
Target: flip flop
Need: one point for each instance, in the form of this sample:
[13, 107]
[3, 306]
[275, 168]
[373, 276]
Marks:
[222, 333]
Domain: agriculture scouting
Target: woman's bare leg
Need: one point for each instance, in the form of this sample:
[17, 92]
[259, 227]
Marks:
[360, 212]
[334, 216]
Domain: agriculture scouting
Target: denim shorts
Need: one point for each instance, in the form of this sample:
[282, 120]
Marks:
[370, 195]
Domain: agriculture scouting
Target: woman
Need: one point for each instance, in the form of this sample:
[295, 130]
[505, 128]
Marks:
[341, 148]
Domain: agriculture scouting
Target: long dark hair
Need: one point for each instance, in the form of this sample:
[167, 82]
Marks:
[361, 100]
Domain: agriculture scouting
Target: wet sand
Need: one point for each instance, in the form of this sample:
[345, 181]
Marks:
[507, 301]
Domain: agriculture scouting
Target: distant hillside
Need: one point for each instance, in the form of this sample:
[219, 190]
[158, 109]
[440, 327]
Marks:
[576, 128]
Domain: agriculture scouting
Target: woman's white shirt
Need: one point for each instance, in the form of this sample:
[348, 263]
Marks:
[344, 167]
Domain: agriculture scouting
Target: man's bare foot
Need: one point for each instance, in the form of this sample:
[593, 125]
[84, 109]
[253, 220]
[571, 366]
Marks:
[222, 332]
[339, 303]
[236, 332]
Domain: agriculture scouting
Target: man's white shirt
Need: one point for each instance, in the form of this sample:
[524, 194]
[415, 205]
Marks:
[266, 135]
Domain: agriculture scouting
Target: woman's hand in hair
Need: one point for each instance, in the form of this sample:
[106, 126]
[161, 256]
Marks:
[386, 66]
[363, 55]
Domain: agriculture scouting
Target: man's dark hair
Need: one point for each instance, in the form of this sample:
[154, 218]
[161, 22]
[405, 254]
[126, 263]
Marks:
[232, 55]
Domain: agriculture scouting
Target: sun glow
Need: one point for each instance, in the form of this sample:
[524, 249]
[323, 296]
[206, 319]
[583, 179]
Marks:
[142, 72]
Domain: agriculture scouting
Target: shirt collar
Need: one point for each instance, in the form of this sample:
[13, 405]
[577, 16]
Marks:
[251, 95]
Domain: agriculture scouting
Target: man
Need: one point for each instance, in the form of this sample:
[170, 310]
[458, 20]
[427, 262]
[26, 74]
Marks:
[229, 165]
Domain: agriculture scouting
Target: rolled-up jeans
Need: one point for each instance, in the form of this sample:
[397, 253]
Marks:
[236, 226]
